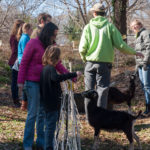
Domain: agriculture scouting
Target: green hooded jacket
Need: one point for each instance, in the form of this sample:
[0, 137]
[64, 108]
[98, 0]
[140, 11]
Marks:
[98, 40]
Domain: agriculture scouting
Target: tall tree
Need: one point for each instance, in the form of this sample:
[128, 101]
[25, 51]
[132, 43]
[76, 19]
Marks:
[120, 17]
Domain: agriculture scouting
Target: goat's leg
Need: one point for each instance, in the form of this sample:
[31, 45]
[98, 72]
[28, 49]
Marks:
[95, 144]
[96, 139]
[128, 133]
[129, 110]
[136, 138]
[129, 107]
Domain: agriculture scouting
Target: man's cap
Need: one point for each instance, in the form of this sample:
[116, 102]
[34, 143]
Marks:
[98, 7]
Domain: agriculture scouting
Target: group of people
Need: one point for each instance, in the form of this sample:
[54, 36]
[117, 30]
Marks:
[20, 35]
[38, 58]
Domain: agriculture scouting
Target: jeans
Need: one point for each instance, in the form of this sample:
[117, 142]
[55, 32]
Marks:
[14, 87]
[35, 114]
[144, 76]
[97, 74]
[50, 122]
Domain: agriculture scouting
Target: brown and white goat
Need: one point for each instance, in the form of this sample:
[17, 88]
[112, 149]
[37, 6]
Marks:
[100, 118]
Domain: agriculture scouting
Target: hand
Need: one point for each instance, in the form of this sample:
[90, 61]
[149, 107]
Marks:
[79, 73]
[74, 80]
[20, 86]
[139, 54]
[145, 67]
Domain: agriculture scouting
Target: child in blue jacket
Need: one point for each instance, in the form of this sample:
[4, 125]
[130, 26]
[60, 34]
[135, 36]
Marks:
[25, 37]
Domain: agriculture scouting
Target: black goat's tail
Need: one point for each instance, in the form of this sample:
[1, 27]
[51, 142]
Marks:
[138, 115]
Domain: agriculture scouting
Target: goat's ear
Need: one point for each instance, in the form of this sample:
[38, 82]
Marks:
[95, 94]
[132, 76]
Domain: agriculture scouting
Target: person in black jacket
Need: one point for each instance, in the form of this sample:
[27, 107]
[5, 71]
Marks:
[50, 91]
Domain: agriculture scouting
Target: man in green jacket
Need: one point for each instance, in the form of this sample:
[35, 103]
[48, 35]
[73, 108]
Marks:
[96, 48]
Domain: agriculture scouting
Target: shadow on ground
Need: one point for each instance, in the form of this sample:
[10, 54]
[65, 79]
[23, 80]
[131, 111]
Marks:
[5, 99]
[86, 145]
[13, 145]
[110, 145]
[7, 110]
[141, 127]
[8, 118]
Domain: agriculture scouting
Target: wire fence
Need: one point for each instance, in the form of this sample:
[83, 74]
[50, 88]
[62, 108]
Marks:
[67, 135]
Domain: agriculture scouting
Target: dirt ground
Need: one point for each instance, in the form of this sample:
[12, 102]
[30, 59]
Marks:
[12, 121]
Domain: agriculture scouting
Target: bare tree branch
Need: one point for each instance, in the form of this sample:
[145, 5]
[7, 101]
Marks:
[133, 5]
[81, 12]
[68, 4]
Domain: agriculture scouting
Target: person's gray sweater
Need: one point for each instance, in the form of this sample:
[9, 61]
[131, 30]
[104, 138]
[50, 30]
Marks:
[142, 44]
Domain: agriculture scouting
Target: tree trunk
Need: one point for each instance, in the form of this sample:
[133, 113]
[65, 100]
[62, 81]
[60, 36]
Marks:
[120, 15]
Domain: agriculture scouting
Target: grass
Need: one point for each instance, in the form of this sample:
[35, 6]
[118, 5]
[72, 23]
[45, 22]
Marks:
[5, 73]
[4, 80]
[12, 120]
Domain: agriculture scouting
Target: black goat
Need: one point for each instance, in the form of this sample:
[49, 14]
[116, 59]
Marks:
[115, 96]
[79, 102]
[100, 118]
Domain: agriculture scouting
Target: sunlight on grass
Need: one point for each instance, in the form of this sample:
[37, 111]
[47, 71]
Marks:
[12, 120]
[12, 123]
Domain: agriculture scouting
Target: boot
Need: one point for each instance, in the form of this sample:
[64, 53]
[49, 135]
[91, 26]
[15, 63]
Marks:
[24, 105]
[147, 110]
[16, 103]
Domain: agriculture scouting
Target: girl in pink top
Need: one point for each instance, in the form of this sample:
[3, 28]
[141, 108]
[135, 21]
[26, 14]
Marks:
[29, 73]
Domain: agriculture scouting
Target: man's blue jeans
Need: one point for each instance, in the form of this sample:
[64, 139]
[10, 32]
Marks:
[144, 76]
[35, 114]
[50, 122]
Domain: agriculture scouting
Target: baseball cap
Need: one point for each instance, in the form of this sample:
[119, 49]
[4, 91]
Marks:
[98, 7]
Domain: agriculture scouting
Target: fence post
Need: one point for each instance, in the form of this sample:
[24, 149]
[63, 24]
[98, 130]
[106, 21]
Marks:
[70, 66]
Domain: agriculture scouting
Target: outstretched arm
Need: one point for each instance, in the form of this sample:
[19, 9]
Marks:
[61, 77]
[62, 70]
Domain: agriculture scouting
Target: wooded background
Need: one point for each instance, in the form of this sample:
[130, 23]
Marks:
[72, 15]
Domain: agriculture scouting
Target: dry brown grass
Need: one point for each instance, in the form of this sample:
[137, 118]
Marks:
[12, 123]
[12, 120]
